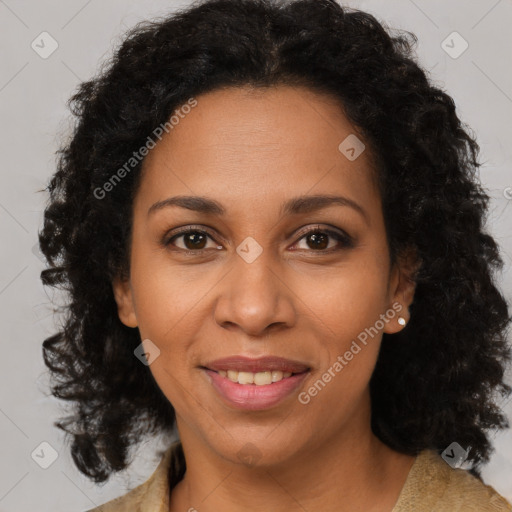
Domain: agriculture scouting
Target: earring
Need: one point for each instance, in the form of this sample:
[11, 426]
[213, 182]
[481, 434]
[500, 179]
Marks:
[401, 320]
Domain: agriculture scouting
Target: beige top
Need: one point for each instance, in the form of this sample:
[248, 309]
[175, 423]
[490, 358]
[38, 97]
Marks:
[431, 486]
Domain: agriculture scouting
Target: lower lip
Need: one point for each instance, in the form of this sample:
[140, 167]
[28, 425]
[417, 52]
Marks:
[252, 397]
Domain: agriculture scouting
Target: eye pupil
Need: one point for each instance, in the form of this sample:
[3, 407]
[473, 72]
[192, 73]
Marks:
[196, 239]
[320, 241]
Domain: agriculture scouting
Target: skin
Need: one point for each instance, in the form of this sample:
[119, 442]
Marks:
[251, 150]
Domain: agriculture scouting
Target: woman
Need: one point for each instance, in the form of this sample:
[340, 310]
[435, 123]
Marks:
[269, 225]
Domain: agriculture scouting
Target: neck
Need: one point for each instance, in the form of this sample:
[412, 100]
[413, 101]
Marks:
[352, 470]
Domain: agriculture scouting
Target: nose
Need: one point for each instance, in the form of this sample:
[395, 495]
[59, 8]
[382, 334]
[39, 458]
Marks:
[254, 298]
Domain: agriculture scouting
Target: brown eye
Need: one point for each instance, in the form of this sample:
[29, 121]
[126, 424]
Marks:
[194, 240]
[317, 239]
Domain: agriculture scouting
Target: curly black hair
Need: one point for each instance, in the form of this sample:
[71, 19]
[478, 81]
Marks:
[436, 381]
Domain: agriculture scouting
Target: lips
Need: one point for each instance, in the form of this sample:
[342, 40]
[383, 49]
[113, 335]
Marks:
[262, 394]
[262, 364]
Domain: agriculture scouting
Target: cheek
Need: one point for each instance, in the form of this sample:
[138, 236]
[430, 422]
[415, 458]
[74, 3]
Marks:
[349, 321]
[347, 306]
[168, 298]
[348, 299]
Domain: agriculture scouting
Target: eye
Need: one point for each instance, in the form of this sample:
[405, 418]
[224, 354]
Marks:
[317, 239]
[194, 240]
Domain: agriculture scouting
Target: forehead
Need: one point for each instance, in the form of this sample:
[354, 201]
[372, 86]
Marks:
[246, 144]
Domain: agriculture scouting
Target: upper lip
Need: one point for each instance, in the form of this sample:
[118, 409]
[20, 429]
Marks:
[255, 365]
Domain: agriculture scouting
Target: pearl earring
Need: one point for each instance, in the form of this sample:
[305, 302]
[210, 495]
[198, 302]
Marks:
[401, 320]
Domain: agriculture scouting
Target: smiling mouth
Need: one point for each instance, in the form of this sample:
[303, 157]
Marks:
[255, 384]
[261, 371]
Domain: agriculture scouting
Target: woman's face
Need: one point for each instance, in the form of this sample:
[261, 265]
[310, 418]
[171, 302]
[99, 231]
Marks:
[254, 283]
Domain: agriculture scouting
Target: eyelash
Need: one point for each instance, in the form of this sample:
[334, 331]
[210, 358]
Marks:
[346, 241]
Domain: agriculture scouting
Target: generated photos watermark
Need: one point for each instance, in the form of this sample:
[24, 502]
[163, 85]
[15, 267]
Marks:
[138, 156]
[342, 360]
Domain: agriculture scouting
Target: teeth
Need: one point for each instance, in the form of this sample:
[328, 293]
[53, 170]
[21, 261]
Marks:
[245, 378]
[263, 378]
[258, 379]
[276, 375]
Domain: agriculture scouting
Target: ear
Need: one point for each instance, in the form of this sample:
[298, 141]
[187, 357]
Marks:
[402, 286]
[124, 299]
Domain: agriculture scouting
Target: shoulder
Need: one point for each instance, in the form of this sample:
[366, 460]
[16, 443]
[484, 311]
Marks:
[432, 484]
[129, 501]
[150, 496]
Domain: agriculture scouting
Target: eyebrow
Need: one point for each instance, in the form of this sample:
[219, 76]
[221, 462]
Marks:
[294, 206]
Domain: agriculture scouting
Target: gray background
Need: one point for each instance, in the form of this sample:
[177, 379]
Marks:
[33, 92]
